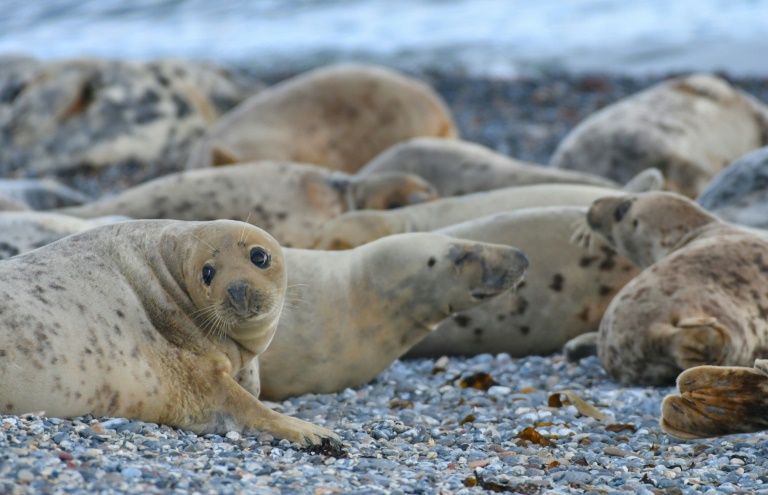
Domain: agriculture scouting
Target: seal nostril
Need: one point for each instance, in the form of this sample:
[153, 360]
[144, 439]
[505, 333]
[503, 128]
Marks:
[238, 293]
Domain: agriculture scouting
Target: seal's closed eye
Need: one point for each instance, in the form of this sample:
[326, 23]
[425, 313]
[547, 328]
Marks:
[208, 273]
[622, 210]
[260, 258]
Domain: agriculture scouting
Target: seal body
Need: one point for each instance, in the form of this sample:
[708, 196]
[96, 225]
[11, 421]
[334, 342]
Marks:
[290, 200]
[147, 320]
[458, 167]
[565, 292]
[338, 116]
[700, 299]
[690, 128]
[356, 228]
[354, 312]
[740, 193]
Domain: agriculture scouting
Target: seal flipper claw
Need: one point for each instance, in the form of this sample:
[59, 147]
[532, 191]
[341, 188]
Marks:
[717, 401]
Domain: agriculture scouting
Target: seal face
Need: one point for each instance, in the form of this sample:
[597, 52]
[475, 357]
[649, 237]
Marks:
[700, 299]
[147, 320]
[689, 127]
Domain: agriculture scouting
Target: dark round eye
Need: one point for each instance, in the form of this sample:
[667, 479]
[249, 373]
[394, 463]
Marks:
[260, 258]
[208, 273]
[621, 210]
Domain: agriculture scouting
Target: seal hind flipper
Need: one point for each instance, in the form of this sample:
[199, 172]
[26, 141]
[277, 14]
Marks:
[717, 401]
[699, 341]
[221, 157]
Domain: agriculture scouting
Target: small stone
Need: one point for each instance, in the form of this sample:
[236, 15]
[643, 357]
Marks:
[25, 475]
[233, 435]
[131, 473]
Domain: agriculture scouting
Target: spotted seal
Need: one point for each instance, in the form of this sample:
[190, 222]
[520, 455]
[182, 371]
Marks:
[147, 320]
[565, 292]
[689, 127]
[339, 116]
[700, 299]
[356, 228]
[290, 200]
[458, 167]
[357, 311]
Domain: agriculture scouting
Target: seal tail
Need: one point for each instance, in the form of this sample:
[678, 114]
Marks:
[717, 401]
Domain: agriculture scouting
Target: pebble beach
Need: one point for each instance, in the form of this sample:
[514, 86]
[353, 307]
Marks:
[459, 425]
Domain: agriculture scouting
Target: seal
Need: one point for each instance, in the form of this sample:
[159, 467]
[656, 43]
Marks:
[8, 204]
[147, 320]
[700, 299]
[717, 400]
[40, 194]
[357, 311]
[23, 231]
[565, 292]
[338, 116]
[356, 228]
[458, 167]
[740, 193]
[689, 127]
[291, 201]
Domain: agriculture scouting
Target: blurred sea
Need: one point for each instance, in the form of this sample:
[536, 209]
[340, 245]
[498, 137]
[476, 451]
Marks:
[485, 37]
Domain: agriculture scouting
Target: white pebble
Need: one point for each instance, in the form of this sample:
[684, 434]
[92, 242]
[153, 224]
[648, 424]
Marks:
[499, 391]
[233, 435]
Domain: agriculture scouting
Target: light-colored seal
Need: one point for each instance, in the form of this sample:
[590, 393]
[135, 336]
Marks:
[8, 204]
[355, 312]
[23, 231]
[689, 127]
[700, 299]
[740, 193]
[458, 167]
[718, 400]
[565, 292]
[91, 113]
[338, 116]
[356, 228]
[291, 201]
[147, 320]
[40, 194]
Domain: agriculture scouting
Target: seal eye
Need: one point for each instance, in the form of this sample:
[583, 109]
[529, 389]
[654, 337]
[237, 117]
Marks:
[260, 258]
[208, 273]
[621, 210]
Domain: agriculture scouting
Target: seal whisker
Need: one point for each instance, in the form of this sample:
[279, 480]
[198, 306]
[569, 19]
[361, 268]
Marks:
[213, 249]
[241, 241]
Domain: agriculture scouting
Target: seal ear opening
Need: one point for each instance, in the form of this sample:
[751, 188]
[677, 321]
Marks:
[221, 157]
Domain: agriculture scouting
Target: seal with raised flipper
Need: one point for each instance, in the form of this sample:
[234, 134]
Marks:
[292, 201]
[357, 311]
[147, 320]
[700, 299]
[457, 167]
[718, 400]
[339, 116]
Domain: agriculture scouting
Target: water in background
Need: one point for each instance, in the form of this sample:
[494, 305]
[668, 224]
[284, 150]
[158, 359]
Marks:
[489, 37]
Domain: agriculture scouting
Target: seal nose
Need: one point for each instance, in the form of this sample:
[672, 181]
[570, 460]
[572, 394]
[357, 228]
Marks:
[592, 216]
[238, 295]
[504, 273]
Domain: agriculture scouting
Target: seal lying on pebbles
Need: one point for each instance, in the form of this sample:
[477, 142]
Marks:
[68, 114]
[40, 194]
[740, 193]
[700, 299]
[718, 400]
[182, 307]
[23, 231]
[357, 311]
[292, 201]
[338, 116]
[458, 167]
[565, 292]
[356, 228]
[688, 127]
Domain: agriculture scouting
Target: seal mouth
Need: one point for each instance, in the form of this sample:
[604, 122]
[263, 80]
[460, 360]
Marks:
[480, 295]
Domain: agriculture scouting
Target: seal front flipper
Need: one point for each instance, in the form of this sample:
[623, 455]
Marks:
[580, 347]
[698, 341]
[717, 401]
[240, 411]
